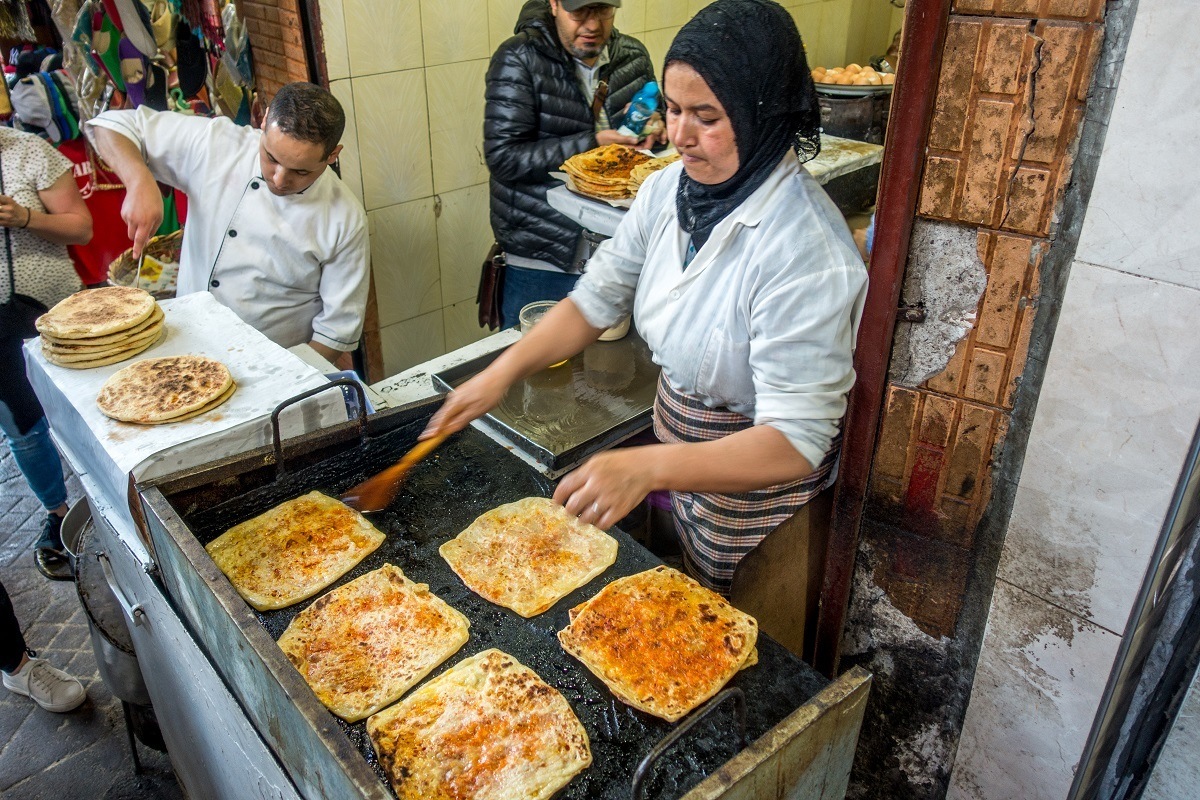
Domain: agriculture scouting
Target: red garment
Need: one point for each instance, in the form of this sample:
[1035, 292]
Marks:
[109, 239]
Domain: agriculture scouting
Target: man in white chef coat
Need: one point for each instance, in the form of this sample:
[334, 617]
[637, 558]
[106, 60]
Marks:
[270, 231]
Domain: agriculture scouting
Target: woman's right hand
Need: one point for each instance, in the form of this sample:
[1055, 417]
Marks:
[142, 212]
[468, 402]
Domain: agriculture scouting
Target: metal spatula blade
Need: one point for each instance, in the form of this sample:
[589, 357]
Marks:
[377, 492]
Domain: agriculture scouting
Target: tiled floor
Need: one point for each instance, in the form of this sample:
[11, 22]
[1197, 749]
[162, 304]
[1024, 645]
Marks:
[83, 754]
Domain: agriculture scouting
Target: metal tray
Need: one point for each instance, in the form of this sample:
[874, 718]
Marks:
[564, 414]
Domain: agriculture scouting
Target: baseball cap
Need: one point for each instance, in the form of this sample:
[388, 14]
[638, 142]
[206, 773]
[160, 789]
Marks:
[575, 5]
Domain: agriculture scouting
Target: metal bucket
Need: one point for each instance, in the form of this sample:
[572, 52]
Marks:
[111, 642]
[78, 517]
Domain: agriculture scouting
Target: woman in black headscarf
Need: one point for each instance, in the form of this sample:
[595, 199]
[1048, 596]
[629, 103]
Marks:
[746, 284]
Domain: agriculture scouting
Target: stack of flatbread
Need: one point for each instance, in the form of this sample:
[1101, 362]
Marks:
[363, 645]
[604, 172]
[644, 170]
[294, 550]
[100, 326]
[488, 728]
[155, 391]
[528, 555]
[660, 641]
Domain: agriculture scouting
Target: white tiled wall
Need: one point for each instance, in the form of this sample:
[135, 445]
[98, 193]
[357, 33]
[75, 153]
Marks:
[411, 76]
[1120, 402]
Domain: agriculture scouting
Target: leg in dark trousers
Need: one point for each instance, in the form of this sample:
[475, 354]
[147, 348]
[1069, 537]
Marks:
[12, 643]
[48, 686]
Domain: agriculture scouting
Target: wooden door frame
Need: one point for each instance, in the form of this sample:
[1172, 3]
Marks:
[913, 102]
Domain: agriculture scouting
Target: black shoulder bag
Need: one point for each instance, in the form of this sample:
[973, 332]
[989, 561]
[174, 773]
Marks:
[19, 312]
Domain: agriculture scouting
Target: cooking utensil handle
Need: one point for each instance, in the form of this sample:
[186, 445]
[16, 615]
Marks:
[134, 611]
[277, 437]
[672, 738]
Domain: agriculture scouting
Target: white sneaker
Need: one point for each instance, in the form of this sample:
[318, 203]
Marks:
[49, 687]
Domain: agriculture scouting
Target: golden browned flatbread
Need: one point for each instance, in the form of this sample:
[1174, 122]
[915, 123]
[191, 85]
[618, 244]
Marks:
[153, 321]
[638, 174]
[93, 352]
[660, 641]
[294, 550]
[528, 555]
[97, 312]
[604, 171]
[101, 361]
[161, 389]
[228, 393]
[363, 645]
[488, 729]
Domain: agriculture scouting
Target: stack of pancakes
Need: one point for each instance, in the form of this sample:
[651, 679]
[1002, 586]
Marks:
[644, 170]
[100, 326]
[604, 171]
[154, 391]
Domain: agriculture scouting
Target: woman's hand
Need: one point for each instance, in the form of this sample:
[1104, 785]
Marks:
[468, 402]
[12, 213]
[608, 486]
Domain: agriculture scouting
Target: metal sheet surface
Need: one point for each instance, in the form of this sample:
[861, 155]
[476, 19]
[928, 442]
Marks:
[467, 476]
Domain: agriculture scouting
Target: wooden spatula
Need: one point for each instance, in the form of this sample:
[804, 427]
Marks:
[377, 492]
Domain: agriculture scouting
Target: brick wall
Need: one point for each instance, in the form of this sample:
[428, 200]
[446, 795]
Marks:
[277, 38]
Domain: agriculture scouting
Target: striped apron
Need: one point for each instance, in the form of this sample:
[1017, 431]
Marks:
[717, 530]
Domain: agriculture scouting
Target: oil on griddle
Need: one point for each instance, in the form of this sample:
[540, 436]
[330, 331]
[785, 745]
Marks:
[467, 476]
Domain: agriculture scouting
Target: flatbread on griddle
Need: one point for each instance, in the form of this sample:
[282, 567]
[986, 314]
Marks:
[528, 555]
[154, 320]
[660, 641]
[97, 312]
[488, 728]
[160, 389]
[101, 361]
[294, 550]
[363, 645]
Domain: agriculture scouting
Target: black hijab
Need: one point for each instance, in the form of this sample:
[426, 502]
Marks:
[750, 55]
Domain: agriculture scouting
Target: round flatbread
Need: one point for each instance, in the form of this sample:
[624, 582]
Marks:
[53, 358]
[97, 312]
[219, 401]
[161, 389]
[155, 318]
[91, 352]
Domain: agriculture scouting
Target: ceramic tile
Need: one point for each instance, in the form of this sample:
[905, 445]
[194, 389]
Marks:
[1141, 214]
[808, 22]
[631, 17]
[393, 137]
[666, 14]
[404, 258]
[348, 160]
[502, 18]
[412, 342]
[657, 43]
[456, 101]
[695, 6]
[333, 34]
[453, 30]
[462, 324]
[832, 36]
[1115, 415]
[1040, 677]
[464, 236]
[383, 36]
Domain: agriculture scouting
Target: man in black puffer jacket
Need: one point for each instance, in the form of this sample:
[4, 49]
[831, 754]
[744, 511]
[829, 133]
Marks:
[541, 85]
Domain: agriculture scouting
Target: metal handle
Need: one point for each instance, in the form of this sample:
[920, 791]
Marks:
[672, 738]
[135, 612]
[277, 439]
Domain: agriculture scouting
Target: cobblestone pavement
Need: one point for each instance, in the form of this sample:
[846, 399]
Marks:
[83, 754]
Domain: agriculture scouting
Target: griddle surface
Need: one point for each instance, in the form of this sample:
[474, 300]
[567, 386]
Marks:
[469, 475]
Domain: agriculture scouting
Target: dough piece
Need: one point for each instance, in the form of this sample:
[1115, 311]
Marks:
[528, 555]
[294, 550]
[488, 728]
[97, 312]
[161, 389]
[363, 645]
[660, 641]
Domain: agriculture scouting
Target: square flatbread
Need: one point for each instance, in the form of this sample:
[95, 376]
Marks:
[363, 645]
[488, 729]
[294, 550]
[528, 555]
[660, 641]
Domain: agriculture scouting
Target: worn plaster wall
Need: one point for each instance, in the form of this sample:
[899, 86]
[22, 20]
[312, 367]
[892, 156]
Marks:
[1011, 99]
